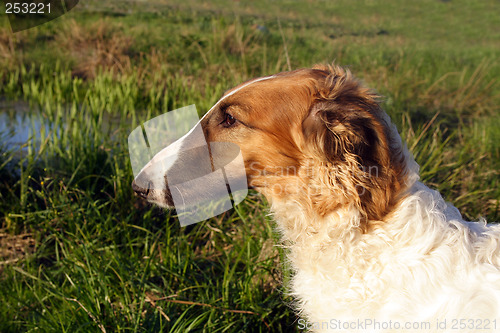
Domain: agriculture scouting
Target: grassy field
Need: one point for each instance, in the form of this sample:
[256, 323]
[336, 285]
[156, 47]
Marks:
[80, 253]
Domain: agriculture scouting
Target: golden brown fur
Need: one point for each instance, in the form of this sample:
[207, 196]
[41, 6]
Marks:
[316, 136]
[365, 239]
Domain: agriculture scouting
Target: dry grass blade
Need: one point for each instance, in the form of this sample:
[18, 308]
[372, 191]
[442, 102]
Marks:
[101, 327]
[167, 299]
[424, 130]
[150, 300]
[285, 46]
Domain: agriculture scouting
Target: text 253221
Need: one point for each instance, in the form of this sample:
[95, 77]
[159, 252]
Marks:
[27, 8]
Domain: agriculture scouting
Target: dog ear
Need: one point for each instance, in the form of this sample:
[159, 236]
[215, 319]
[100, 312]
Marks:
[350, 134]
[347, 132]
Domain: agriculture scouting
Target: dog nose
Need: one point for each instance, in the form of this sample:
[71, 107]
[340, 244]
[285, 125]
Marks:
[141, 190]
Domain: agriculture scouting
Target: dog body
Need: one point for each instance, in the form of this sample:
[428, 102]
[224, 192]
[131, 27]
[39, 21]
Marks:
[366, 239]
[424, 265]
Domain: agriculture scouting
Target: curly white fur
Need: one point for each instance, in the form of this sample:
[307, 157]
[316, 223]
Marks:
[424, 265]
[381, 249]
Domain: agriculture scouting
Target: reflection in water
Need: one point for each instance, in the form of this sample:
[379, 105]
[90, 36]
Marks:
[18, 123]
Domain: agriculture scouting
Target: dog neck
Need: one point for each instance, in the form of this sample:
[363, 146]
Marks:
[302, 225]
[298, 224]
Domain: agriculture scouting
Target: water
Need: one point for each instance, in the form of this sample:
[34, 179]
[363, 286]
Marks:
[18, 123]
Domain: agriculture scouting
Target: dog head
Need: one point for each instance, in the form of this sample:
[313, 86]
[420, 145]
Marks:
[314, 136]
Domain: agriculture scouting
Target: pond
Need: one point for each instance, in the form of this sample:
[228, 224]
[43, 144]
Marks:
[18, 123]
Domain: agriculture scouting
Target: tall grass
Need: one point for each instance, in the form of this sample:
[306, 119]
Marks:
[92, 257]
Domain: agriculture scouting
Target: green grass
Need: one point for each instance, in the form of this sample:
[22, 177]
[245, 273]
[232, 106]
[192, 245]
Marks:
[78, 252]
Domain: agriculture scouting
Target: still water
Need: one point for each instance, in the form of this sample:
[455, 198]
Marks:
[18, 123]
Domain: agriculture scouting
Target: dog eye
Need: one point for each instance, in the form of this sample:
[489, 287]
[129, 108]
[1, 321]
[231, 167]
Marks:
[228, 120]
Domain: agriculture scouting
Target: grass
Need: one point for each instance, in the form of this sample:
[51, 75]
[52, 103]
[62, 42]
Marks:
[78, 252]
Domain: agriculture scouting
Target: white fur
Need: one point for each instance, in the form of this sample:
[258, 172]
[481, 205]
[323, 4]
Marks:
[162, 162]
[171, 152]
[424, 264]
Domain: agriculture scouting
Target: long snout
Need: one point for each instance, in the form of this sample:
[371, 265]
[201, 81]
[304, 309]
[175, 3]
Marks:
[199, 179]
[174, 164]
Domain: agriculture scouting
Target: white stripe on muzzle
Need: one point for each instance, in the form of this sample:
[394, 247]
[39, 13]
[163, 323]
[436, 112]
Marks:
[169, 154]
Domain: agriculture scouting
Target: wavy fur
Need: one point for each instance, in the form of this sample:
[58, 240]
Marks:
[366, 240]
